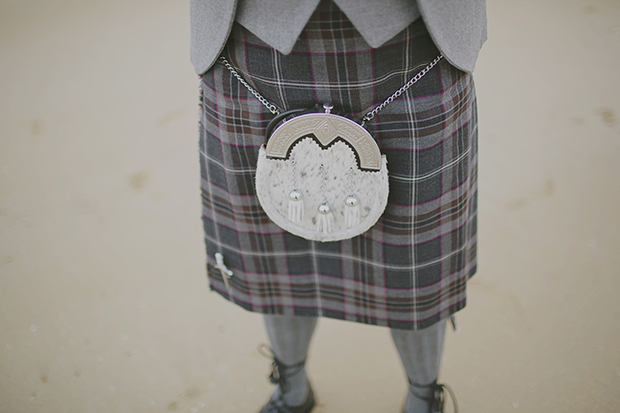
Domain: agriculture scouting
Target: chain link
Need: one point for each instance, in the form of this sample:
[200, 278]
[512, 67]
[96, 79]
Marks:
[351, 193]
[323, 184]
[367, 117]
[293, 164]
[272, 108]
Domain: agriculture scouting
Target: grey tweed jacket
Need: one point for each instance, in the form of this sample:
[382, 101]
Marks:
[458, 27]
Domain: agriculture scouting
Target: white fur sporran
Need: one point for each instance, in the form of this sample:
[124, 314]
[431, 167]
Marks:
[322, 177]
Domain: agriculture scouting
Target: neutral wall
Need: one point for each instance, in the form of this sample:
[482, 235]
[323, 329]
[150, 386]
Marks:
[104, 304]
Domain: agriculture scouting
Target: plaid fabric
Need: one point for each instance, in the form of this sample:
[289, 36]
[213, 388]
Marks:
[410, 270]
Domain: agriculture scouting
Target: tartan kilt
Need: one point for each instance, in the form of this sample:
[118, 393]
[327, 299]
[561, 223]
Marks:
[410, 269]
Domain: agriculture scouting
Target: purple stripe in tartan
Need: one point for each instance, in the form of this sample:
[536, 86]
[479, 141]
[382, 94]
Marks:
[409, 270]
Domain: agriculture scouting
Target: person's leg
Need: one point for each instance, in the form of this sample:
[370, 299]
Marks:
[420, 352]
[290, 339]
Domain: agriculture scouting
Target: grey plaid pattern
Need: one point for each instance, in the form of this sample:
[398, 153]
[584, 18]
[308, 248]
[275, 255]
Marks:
[408, 271]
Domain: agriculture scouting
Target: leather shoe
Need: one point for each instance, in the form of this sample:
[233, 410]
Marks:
[437, 399]
[278, 405]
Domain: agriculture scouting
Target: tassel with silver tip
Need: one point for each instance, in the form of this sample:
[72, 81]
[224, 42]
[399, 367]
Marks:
[351, 211]
[325, 221]
[352, 207]
[295, 206]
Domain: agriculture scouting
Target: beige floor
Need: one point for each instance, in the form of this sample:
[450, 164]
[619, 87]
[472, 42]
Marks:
[104, 305]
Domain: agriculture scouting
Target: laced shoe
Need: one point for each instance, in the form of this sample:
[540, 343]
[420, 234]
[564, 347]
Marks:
[279, 374]
[278, 405]
[437, 397]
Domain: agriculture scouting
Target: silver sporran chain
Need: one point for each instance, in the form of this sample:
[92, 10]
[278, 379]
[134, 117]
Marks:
[367, 117]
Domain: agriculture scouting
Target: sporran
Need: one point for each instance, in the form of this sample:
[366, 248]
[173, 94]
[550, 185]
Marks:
[321, 176]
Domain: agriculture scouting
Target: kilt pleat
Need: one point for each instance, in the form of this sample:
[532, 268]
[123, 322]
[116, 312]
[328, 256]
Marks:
[409, 270]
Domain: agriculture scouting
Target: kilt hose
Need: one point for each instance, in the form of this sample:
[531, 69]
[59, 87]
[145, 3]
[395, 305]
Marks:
[409, 271]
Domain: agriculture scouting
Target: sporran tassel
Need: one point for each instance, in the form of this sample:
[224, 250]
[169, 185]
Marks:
[325, 221]
[351, 212]
[352, 205]
[295, 206]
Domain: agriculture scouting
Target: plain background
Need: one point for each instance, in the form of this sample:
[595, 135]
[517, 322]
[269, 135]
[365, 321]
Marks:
[104, 303]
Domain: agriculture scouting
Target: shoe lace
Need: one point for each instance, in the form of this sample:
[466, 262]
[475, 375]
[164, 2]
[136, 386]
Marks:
[280, 371]
[437, 399]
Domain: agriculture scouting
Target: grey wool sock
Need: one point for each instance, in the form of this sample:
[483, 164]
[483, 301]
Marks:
[290, 339]
[420, 352]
